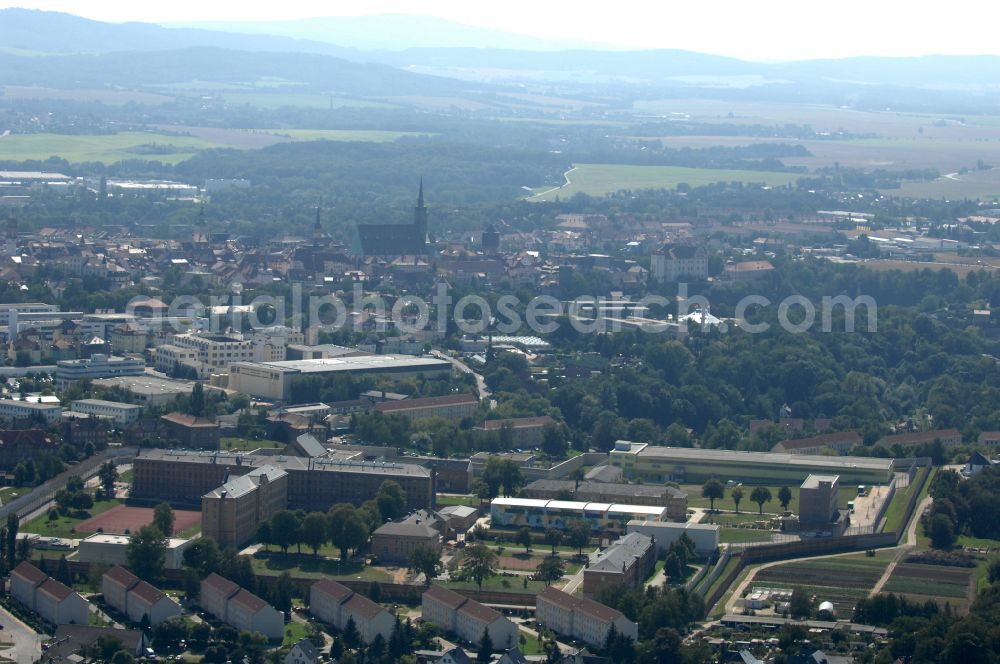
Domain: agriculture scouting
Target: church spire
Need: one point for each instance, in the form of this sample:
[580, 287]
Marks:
[318, 227]
[420, 196]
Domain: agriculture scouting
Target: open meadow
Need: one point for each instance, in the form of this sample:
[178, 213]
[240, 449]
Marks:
[601, 179]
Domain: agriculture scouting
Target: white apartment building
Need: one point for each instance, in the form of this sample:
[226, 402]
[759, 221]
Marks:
[122, 414]
[270, 344]
[214, 352]
[97, 366]
[580, 618]
[674, 262]
[15, 410]
[467, 618]
[337, 605]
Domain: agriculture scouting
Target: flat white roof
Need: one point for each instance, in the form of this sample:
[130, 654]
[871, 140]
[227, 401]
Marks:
[672, 525]
[111, 538]
[578, 505]
[637, 509]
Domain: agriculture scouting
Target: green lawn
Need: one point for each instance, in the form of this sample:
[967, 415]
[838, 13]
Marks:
[319, 567]
[515, 584]
[9, 493]
[447, 499]
[246, 444]
[601, 179]
[294, 632]
[530, 645]
[63, 526]
[726, 504]
[740, 535]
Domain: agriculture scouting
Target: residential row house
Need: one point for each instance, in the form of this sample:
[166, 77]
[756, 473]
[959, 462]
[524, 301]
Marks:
[50, 599]
[127, 593]
[580, 618]
[240, 608]
[338, 605]
[466, 618]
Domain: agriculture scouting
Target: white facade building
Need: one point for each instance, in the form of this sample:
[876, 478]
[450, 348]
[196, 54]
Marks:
[122, 414]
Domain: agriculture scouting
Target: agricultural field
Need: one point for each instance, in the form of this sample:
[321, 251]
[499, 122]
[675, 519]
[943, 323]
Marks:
[601, 179]
[170, 145]
[923, 582]
[823, 119]
[105, 148]
[109, 96]
[842, 580]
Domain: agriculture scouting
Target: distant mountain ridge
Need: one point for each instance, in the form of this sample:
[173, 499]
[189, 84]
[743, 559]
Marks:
[391, 32]
[34, 31]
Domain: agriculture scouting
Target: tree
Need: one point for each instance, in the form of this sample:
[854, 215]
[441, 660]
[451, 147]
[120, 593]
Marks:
[478, 563]
[202, 555]
[62, 572]
[284, 529]
[800, 604]
[760, 495]
[737, 496]
[108, 475]
[391, 500]
[163, 518]
[264, 533]
[553, 537]
[942, 531]
[485, 653]
[314, 531]
[281, 596]
[197, 402]
[523, 537]
[551, 569]
[13, 522]
[673, 566]
[554, 440]
[352, 637]
[713, 490]
[784, 497]
[23, 550]
[347, 529]
[147, 553]
[424, 560]
[578, 534]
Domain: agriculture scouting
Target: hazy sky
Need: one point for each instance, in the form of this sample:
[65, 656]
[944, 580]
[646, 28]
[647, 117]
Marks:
[772, 29]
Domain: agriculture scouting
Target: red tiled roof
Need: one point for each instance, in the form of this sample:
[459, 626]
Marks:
[363, 606]
[55, 589]
[30, 573]
[147, 593]
[516, 423]
[335, 591]
[122, 576]
[428, 402]
[445, 596]
[921, 436]
[221, 585]
[249, 601]
[480, 612]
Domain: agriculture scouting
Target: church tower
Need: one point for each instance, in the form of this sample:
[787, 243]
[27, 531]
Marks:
[420, 214]
[10, 241]
[317, 229]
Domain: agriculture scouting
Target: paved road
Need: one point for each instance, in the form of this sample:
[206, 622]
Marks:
[902, 550]
[27, 643]
[484, 392]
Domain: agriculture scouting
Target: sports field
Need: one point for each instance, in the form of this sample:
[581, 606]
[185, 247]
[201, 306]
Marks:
[125, 519]
[601, 179]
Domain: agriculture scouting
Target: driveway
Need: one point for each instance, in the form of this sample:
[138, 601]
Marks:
[27, 644]
[484, 392]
